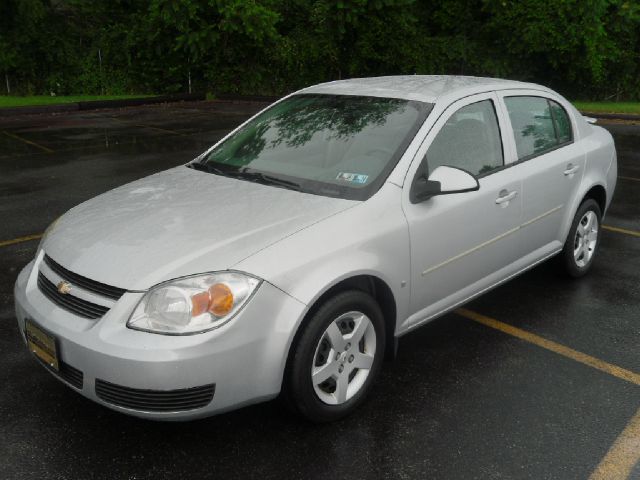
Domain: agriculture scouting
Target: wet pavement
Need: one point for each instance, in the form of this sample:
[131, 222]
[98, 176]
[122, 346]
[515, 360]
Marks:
[462, 400]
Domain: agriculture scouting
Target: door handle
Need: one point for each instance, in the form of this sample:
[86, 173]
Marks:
[571, 169]
[505, 196]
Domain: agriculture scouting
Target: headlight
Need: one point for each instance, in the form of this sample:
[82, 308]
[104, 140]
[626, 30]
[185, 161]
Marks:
[193, 304]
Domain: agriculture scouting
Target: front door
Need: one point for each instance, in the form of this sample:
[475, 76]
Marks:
[460, 241]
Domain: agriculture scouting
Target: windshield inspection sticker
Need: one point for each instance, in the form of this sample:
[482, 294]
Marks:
[352, 177]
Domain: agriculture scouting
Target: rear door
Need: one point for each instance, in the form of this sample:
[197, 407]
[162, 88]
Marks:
[550, 164]
[459, 241]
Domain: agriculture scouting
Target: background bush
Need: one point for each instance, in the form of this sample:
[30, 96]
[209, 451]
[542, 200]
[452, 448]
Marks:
[586, 49]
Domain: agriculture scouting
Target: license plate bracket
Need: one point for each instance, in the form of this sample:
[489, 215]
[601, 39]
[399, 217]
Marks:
[42, 344]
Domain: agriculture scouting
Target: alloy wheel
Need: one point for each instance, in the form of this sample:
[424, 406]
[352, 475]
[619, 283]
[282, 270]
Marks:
[343, 358]
[586, 238]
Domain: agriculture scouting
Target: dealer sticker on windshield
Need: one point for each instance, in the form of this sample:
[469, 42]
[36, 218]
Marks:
[352, 177]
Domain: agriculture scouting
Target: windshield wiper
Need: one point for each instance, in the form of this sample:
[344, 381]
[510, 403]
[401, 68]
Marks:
[268, 179]
[205, 167]
[259, 177]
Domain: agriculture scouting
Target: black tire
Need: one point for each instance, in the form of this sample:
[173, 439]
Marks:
[298, 388]
[566, 258]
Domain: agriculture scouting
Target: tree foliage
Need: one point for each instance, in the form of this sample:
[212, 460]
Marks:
[584, 48]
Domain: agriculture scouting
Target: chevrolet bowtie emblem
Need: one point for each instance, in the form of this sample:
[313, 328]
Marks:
[64, 287]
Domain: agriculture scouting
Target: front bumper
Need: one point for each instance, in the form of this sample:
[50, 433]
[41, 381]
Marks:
[244, 358]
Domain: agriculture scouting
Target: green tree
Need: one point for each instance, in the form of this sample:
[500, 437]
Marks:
[584, 48]
[562, 42]
[211, 38]
[622, 56]
[20, 48]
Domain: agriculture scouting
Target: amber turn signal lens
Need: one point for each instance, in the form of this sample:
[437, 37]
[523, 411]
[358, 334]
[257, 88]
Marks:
[217, 300]
[221, 301]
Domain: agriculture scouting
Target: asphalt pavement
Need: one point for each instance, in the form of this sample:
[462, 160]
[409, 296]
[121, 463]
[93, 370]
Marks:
[538, 379]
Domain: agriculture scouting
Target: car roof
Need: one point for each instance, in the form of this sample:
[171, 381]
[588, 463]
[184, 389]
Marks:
[424, 88]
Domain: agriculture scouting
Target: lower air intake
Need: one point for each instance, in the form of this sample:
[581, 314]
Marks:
[155, 400]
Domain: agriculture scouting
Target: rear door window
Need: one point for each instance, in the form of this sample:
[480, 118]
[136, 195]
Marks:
[539, 125]
[561, 120]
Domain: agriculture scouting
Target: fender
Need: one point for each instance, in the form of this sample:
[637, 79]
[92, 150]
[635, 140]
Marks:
[601, 163]
[358, 241]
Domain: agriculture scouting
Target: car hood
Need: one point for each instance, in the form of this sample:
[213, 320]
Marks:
[178, 222]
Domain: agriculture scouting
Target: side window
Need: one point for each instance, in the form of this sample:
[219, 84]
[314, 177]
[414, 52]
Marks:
[532, 125]
[538, 124]
[470, 139]
[563, 124]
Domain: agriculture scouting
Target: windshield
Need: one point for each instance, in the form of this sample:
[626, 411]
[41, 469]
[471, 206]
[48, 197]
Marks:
[335, 145]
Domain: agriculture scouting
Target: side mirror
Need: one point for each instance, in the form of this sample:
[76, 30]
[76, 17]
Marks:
[442, 181]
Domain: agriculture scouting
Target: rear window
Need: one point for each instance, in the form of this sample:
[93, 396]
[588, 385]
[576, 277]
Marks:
[539, 125]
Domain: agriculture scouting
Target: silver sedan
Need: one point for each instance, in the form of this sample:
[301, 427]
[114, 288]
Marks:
[289, 257]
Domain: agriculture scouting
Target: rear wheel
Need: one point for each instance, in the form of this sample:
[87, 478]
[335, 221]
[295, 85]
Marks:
[337, 357]
[583, 240]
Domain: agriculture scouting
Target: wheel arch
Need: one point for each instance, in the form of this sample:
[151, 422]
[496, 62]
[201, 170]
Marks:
[595, 191]
[365, 282]
[599, 194]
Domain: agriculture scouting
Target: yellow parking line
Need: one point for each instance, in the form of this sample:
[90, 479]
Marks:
[28, 142]
[621, 230]
[552, 346]
[629, 178]
[5, 243]
[623, 455]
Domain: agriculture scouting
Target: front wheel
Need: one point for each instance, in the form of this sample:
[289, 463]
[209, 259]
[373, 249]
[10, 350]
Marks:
[583, 240]
[337, 357]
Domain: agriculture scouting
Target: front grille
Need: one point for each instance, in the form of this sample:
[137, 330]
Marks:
[155, 400]
[69, 302]
[71, 375]
[87, 284]
[68, 373]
